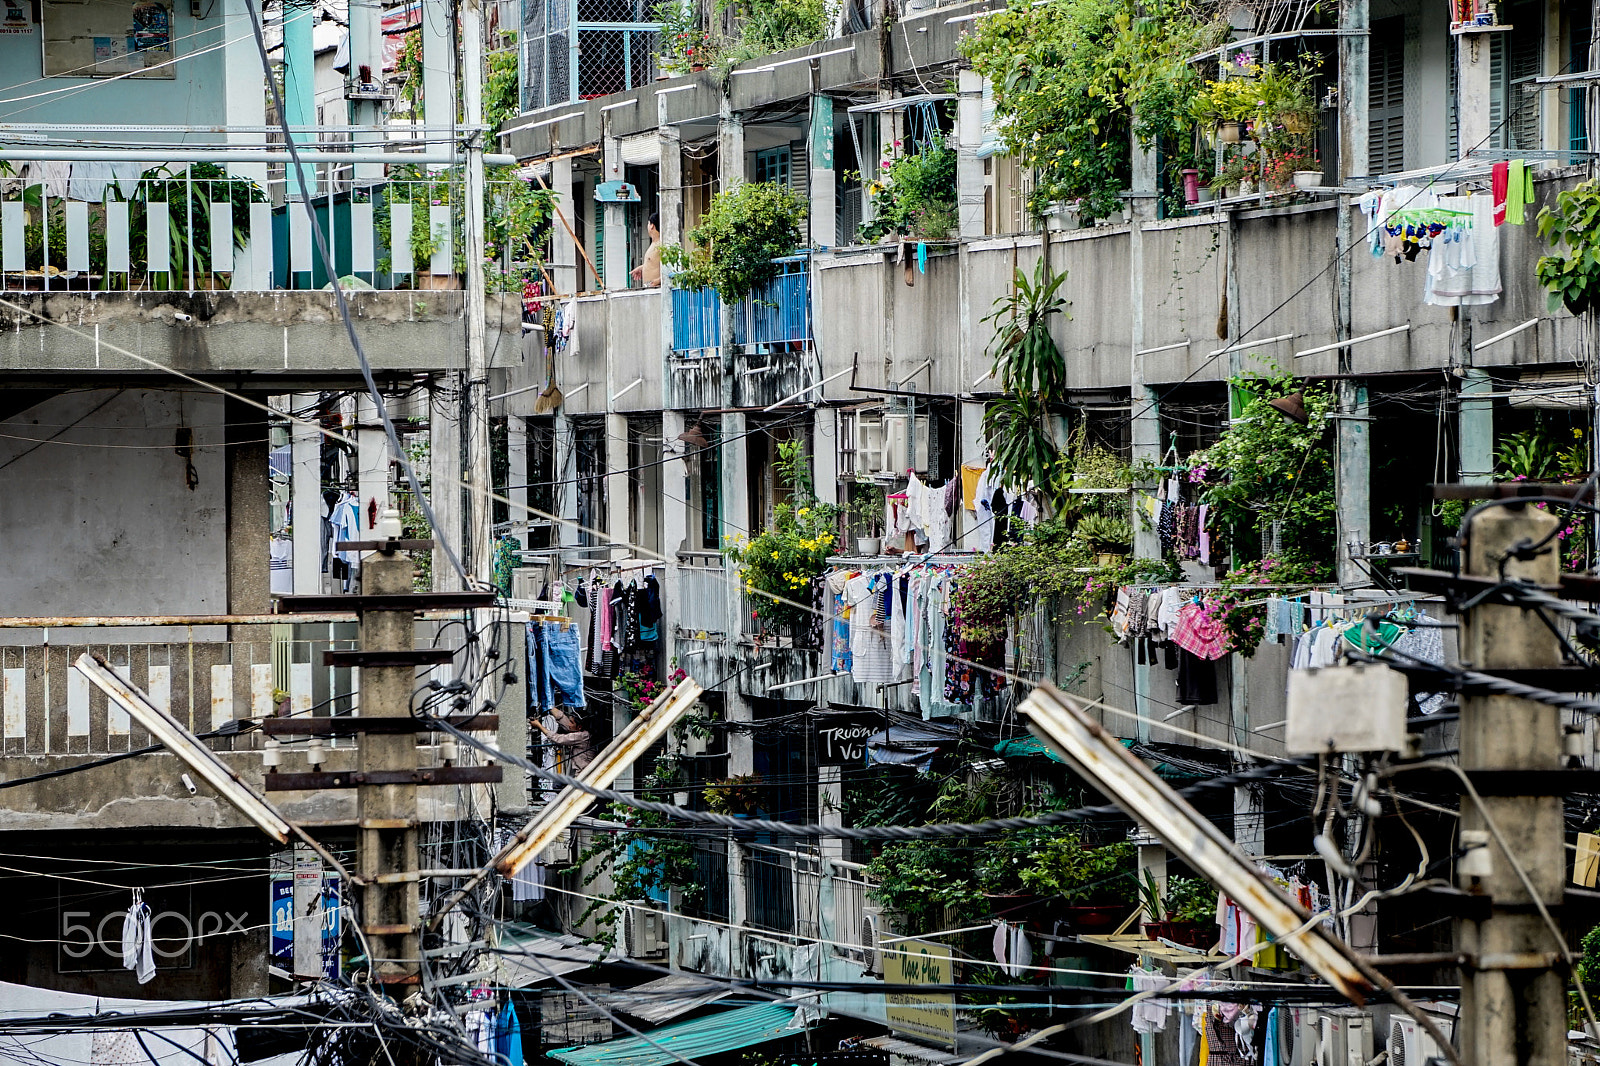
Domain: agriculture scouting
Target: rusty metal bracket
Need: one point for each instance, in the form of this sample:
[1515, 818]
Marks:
[442, 775]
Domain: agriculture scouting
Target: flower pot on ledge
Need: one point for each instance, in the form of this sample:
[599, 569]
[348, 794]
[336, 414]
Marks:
[427, 279]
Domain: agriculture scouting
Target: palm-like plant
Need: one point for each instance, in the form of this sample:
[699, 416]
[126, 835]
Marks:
[1029, 365]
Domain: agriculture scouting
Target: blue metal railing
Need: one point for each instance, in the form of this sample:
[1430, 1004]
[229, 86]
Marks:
[777, 312]
[696, 320]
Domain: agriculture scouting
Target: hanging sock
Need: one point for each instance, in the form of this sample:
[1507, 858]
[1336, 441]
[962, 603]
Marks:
[137, 953]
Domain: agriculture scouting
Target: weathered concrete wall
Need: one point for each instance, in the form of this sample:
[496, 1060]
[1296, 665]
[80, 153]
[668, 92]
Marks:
[225, 332]
[97, 513]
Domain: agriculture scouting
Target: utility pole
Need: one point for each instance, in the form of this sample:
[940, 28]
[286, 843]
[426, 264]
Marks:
[388, 771]
[475, 396]
[1513, 1002]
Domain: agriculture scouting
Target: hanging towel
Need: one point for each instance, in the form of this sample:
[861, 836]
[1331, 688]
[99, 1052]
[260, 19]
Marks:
[137, 950]
[1519, 191]
[1021, 951]
[1001, 940]
[1499, 179]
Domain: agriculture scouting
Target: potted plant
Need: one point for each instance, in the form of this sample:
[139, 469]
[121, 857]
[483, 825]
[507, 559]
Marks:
[1185, 915]
[1110, 536]
[1096, 883]
[778, 565]
[738, 795]
[866, 507]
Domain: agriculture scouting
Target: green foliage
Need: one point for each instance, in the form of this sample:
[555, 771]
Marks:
[1065, 867]
[408, 65]
[1571, 275]
[501, 89]
[768, 26]
[1029, 365]
[1067, 76]
[739, 794]
[685, 43]
[1237, 605]
[1268, 469]
[915, 196]
[778, 565]
[516, 214]
[1106, 532]
[1533, 456]
[1589, 962]
[1187, 899]
[733, 248]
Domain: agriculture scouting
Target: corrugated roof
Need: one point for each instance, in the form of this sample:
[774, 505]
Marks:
[532, 957]
[667, 997]
[714, 1033]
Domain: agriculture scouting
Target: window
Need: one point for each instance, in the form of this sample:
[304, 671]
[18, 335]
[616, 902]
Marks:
[644, 483]
[772, 164]
[1386, 97]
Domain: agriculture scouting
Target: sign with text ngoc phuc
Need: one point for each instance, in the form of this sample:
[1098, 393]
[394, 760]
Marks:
[929, 1015]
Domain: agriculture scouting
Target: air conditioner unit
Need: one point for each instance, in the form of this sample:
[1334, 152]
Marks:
[874, 928]
[1346, 1037]
[1410, 1044]
[527, 581]
[558, 852]
[644, 935]
[900, 433]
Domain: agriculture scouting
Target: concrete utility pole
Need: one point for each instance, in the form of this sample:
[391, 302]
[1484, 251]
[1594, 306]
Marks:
[1513, 1007]
[391, 913]
[475, 397]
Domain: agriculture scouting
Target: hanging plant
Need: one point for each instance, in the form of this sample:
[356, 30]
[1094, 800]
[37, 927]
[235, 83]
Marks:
[733, 248]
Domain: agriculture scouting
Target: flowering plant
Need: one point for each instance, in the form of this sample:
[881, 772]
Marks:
[778, 565]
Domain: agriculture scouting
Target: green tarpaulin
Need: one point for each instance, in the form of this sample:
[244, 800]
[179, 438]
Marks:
[703, 1036]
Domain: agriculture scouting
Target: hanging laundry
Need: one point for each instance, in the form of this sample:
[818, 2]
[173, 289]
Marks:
[138, 952]
[1464, 261]
[1519, 191]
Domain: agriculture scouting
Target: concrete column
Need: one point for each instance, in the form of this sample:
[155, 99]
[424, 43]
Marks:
[969, 168]
[249, 510]
[366, 50]
[566, 501]
[1477, 425]
[1474, 90]
[825, 455]
[1354, 474]
[517, 490]
[563, 252]
[1249, 819]
[305, 496]
[1354, 103]
[973, 450]
[670, 207]
[444, 451]
[619, 498]
[830, 801]
[822, 221]
[246, 103]
[372, 462]
[674, 525]
[616, 219]
[730, 172]
[438, 64]
[299, 89]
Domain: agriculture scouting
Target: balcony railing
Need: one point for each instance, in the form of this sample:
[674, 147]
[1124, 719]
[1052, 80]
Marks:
[704, 591]
[775, 317]
[193, 230]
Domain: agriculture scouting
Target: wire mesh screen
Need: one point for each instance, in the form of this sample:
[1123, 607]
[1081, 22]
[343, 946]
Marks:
[533, 58]
[602, 62]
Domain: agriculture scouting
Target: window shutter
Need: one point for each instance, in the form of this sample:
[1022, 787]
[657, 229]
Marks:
[1386, 97]
[1526, 45]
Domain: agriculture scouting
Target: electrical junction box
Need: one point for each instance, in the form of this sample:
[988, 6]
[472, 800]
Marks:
[1346, 708]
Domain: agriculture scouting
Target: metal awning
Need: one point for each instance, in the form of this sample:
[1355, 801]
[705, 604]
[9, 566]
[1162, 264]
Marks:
[906, 1049]
[727, 1031]
[530, 957]
[667, 997]
[900, 103]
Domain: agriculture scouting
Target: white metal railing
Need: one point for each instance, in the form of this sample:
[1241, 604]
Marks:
[129, 227]
[703, 592]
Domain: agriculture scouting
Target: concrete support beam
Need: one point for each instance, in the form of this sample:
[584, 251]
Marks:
[566, 501]
[1477, 425]
[675, 520]
[372, 462]
[249, 512]
[444, 459]
[305, 496]
[564, 253]
[517, 474]
[438, 63]
[1354, 105]
[299, 88]
[616, 219]
[619, 497]
[825, 455]
[821, 217]
[969, 168]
